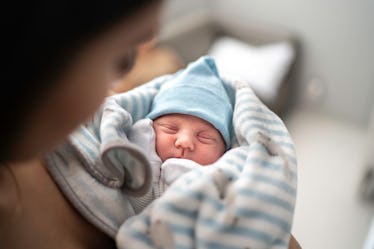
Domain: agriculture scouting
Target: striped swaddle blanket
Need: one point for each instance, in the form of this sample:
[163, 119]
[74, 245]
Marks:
[244, 200]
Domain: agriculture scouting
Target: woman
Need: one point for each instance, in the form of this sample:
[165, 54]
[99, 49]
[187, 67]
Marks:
[60, 58]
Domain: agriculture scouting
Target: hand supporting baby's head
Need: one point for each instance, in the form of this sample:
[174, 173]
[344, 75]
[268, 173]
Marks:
[196, 105]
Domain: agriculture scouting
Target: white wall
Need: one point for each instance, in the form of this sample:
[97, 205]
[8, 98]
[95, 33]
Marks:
[337, 42]
[175, 9]
[337, 39]
[370, 141]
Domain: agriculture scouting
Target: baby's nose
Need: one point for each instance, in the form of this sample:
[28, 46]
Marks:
[184, 141]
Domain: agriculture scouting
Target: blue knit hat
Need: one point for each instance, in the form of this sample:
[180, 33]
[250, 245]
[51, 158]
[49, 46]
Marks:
[198, 91]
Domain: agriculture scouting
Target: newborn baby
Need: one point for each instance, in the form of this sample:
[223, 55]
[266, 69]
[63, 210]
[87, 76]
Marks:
[188, 125]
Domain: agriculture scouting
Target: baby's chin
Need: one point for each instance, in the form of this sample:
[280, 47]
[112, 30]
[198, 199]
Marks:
[204, 161]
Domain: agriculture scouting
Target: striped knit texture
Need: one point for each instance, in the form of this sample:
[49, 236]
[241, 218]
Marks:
[244, 200]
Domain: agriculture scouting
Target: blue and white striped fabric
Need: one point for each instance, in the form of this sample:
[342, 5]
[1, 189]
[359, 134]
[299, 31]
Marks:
[244, 200]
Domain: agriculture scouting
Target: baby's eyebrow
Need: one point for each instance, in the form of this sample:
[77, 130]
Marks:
[209, 132]
[168, 123]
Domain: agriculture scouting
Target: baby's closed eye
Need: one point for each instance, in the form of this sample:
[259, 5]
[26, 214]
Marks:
[168, 128]
[206, 137]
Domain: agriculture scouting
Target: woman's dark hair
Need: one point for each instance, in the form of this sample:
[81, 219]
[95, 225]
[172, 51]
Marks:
[39, 39]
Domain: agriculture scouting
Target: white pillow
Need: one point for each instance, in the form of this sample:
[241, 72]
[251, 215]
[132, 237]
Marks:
[263, 67]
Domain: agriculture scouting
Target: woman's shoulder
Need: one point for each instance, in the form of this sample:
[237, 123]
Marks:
[33, 211]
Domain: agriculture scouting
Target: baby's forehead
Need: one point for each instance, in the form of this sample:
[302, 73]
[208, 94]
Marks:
[178, 118]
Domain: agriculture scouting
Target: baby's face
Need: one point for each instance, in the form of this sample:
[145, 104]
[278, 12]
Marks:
[188, 137]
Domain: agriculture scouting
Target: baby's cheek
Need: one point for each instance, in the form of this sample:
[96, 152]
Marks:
[207, 155]
[164, 146]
